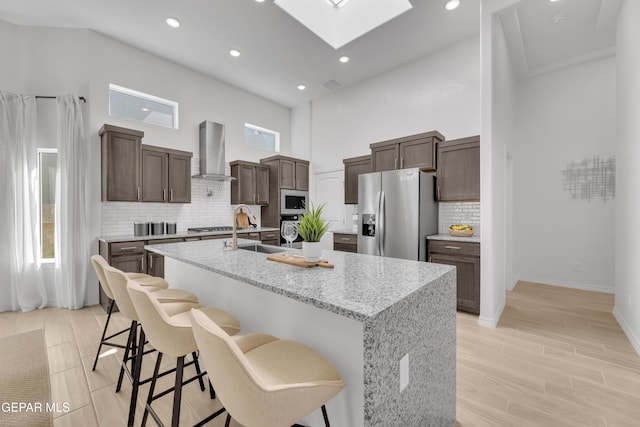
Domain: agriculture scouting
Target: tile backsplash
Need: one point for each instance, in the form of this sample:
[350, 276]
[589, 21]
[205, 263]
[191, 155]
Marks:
[458, 213]
[210, 206]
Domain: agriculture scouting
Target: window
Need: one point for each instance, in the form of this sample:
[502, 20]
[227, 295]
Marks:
[47, 165]
[133, 105]
[261, 138]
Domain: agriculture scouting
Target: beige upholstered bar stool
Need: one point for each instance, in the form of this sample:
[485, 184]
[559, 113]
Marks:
[99, 263]
[171, 335]
[262, 380]
[172, 300]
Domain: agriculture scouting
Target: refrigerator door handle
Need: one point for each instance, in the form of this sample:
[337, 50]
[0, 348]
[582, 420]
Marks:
[382, 225]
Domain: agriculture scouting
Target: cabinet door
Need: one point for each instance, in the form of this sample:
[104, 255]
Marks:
[302, 176]
[120, 167]
[468, 280]
[134, 263]
[351, 172]
[262, 185]
[384, 158]
[459, 172]
[155, 264]
[287, 174]
[417, 154]
[179, 178]
[244, 188]
[155, 179]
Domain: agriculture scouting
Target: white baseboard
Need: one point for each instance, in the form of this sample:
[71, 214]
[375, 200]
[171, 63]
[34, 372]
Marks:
[635, 341]
[564, 284]
[492, 321]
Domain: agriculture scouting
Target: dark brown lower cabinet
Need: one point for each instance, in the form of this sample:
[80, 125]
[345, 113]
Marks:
[465, 256]
[345, 242]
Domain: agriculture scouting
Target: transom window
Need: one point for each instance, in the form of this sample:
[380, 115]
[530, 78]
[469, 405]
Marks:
[261, 138]
[142, 107]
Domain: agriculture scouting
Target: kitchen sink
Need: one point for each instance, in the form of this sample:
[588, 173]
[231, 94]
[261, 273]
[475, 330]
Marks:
[265, 249]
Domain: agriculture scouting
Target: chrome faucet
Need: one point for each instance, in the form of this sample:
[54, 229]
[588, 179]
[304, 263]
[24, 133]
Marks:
[234, 238]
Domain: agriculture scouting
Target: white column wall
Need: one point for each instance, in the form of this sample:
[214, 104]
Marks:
[627, 234]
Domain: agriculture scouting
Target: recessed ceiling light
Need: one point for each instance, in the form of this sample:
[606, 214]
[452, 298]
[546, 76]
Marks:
[173, 22]
[259, 1]
[344, 59]
[234, 52]
[337, 3]
[553, 1]
[302, 87]
[452, 4]
[145, 109]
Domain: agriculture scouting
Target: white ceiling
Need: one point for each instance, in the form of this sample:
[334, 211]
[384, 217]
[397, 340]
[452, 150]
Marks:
[278, 52]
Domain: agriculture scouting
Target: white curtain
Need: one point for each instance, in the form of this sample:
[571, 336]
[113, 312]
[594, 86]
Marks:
[71, 244]
[21, 286]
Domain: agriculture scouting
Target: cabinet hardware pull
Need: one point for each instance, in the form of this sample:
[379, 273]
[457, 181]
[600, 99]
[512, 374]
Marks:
[457, 248]
[401, 162]
[142, 264]
[171, 195]
[150, 262]
[138, 193]
[395, 163]
[258, 198]
[254, 197]
[128, 248]
[164, 194]
[345, 238]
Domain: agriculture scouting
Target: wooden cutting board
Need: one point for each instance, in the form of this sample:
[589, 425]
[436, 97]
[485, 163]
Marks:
[298, 260]
[242, 220]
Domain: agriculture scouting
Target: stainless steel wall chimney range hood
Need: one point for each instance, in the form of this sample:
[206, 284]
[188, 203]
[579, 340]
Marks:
[212, 160]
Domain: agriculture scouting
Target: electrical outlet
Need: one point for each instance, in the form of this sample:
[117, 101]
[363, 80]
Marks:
[404, 372]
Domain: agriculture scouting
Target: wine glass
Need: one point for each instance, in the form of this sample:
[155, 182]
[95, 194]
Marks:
[289, 233]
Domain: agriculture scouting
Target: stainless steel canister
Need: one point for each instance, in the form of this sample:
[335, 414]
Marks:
[140, 228]
[171, 227]
[157, 228]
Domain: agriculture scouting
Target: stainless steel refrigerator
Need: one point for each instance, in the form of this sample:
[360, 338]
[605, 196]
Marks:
[397, 210]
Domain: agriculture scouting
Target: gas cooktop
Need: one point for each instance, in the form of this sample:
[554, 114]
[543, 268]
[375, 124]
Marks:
[209, 229]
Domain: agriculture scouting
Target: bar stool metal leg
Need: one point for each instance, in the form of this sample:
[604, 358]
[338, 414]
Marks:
[136, 379]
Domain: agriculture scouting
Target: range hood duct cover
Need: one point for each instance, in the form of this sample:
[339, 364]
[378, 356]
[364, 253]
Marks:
[212, 159]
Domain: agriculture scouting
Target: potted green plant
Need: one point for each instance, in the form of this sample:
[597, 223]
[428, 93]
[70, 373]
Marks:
[311, 228]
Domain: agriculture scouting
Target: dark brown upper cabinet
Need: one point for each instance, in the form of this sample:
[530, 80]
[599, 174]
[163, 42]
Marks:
[166, 175]
[415, 151]
[289, 173]
[251, 184]
[120, 158]
[353, 167]
[458, 172]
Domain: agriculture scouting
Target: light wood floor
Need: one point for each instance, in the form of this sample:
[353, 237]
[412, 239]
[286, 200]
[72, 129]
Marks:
[557, 358]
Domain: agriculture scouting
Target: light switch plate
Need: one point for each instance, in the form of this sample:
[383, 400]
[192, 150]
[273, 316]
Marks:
[404, 372]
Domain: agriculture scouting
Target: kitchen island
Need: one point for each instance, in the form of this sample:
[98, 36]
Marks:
[387, 324]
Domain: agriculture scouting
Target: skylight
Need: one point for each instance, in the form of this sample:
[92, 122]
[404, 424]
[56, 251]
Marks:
[346, 20]
[337, 3]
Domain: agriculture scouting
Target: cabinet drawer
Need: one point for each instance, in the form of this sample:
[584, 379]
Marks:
[123, 248]
[345, 248]
[252, 236]
[215, 237]
[453, 247]
[348, 239]
[163, 241]
[191, 239]
[269, 235]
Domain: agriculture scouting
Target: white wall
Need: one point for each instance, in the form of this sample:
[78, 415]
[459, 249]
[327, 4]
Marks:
[51, 61]
[439, 92]
[627, 246]
[564, 116]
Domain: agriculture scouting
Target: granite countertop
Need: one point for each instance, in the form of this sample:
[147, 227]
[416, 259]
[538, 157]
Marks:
[473, 239]
[359, 286]
[132, 238]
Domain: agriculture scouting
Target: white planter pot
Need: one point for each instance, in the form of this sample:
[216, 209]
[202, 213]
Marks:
[311, 251]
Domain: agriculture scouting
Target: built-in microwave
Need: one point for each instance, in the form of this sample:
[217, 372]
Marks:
[293, 202]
